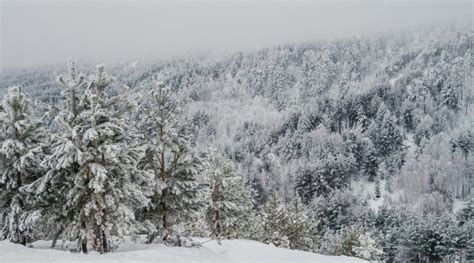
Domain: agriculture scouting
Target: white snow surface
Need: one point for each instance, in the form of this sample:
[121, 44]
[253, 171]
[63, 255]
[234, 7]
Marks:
[244, 251]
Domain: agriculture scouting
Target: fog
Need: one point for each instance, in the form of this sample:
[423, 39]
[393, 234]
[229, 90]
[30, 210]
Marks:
[41, 33]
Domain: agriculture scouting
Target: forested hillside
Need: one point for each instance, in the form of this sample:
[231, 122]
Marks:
[356, 146]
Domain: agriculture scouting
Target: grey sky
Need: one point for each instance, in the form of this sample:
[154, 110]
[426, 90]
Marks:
[37, 32]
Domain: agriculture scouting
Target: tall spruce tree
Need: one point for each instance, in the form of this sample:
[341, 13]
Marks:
[176, 197]
[21, 137]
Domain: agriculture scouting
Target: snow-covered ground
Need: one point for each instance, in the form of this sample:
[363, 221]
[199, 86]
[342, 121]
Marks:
[244, 251]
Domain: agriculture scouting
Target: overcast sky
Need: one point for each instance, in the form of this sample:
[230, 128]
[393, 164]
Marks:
[39, 32]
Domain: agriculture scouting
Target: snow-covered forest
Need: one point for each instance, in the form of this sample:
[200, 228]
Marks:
[360, 147]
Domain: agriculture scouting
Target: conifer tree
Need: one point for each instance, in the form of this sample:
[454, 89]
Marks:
[384, 132]
[176, 197]
[50, 192]
[282, 225]
[302, 234]
[367, 248]
[21, 136]
[275, 221]
[230, 204]
[92, 166]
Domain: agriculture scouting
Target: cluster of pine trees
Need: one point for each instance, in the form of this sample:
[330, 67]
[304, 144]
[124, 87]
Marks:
[88, 171]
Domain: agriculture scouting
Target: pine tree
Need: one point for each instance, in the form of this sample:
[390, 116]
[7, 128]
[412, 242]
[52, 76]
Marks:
[325, 175]
[304, 184]
[282, 224]
[21, 137]
[341, 242]
[389, 245]
[92, 183]
[275, 220]
[349, 241]
[384, 132]
[370, 162]
[50, 192]
[106, 191]
[339, 209]
[231, 204]
[427, 238]
[301, 233]
[176, 197]
[464, 236]
[367, 248]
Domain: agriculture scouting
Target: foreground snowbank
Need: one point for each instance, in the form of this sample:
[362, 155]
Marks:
[244, 251]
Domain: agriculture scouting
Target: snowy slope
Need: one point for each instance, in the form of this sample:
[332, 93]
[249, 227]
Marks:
[244, 251]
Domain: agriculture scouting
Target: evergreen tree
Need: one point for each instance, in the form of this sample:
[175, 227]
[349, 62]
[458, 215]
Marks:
[92, 183]
[304, 184]
[367, 248]
[21, 138]
[176, 196]
[50, 192]
[301, 233]
[281, 224]
[463, 234]
[343, 241]
[370, 162]
[230, 204]
[275, 220]
[427, 238]
[384, 132]
[339, 209]
[325, 175]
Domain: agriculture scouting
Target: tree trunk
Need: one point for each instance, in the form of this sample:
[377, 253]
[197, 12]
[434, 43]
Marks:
[151, 237]
[21, 236]
[101, 242]
[22, 239]
[217, 230]
[56, 237]
[84, 246]
[105, 243]
[218, 225]
[164, 206]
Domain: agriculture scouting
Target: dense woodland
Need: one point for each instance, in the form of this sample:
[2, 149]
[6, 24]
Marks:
[357, 146]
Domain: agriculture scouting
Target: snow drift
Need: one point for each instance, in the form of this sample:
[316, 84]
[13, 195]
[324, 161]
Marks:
[244, 251]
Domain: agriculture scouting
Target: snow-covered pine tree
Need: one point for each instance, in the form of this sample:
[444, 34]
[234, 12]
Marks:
[301, 231]
[50, 192]
[354, 241]
[339, 209]
[370, 161]
[176, 197]
[92, 165]
[21, 136]
[385, 133]
[106, 190]
[427, 238]
[231, 204]
[367, 248]
[282, 224]
[275, 220]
